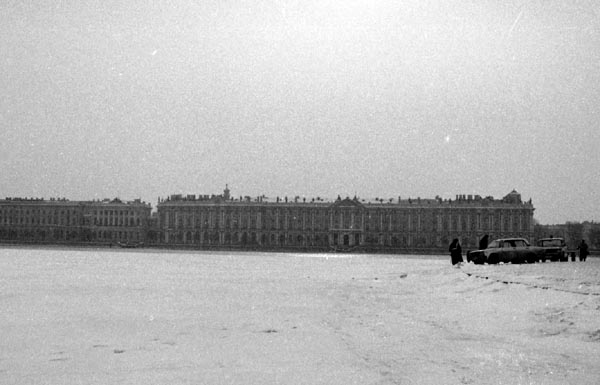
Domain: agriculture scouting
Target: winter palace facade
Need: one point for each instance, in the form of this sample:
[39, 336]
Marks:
[224, 222]
[350, 223]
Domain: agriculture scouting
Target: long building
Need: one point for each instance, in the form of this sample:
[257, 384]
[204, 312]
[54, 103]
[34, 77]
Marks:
[60, 221]
[224, 222]
[394, 225]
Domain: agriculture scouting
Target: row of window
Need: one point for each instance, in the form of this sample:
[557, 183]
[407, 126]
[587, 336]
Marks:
[422, 240]
[70, 221]
[127, 213]
[50, 220]
[322, 220]
[68, 235]
[37, 212]
[21, 216]
[117, 221]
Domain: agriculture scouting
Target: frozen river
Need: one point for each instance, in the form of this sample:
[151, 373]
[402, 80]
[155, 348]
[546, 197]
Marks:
[157, 317]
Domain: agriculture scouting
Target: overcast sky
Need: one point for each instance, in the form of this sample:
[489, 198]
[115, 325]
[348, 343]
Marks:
[141, 99]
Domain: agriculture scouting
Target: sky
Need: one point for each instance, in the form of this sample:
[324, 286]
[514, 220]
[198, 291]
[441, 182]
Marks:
[411, 98]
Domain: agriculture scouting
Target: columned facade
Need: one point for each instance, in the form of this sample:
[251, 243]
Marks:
[40, 221]
[344, 224]
[219, 221]
[33, 220]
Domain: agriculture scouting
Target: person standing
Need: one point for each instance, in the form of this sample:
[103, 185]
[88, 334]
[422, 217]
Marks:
[483, 242]
[583, 250]
[455, 252]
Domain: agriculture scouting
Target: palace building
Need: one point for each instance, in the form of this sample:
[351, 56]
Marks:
[224, 222]
[394, 225]
[35, 220]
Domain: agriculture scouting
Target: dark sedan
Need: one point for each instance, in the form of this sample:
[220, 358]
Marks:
[513, 250]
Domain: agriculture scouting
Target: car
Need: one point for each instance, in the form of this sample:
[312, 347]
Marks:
[554, 249]
[505, 250]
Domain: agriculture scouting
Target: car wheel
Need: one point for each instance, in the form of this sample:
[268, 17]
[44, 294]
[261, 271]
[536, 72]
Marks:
[493, 259]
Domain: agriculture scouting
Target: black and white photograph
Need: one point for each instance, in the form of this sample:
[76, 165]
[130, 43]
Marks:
[299, 192]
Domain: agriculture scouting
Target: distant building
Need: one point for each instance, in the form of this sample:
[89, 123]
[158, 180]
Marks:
[35, 220]
[116, 221]
[41, 221]
[220, 221]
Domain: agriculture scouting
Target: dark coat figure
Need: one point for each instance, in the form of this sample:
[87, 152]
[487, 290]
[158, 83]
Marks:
[483, 242]
[455, 252]
[583, 250]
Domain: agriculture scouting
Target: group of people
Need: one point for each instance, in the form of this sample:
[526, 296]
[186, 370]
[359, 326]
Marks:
[456, 250]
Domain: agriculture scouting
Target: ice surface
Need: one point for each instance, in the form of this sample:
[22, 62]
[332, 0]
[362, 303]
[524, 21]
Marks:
[162, 317]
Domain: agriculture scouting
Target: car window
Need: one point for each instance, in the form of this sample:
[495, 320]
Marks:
[493, 245]
[552, 242]
[520, 243]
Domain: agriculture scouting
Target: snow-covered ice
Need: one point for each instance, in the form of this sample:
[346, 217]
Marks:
[71, 316]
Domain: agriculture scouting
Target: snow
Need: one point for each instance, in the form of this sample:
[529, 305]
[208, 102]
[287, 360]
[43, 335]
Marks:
[163, 317]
